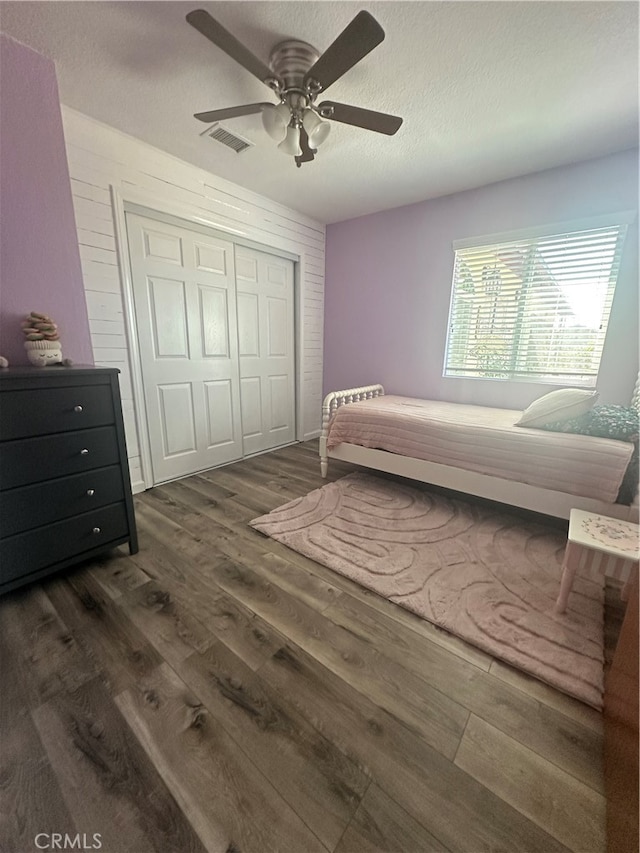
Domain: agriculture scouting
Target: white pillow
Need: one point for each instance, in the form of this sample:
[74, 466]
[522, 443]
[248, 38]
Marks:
[558, 405]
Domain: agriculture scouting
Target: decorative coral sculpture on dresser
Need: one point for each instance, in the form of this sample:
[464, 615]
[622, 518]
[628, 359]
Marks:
[42, 340]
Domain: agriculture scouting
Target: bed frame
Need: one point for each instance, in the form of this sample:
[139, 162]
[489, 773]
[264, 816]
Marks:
[546, 501]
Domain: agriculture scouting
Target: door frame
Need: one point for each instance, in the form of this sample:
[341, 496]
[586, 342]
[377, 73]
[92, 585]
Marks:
[123, 198]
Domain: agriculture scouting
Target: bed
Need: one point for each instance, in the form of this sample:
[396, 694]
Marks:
[476, 450]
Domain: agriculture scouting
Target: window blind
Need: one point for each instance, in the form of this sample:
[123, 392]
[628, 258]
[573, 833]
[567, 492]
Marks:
[536, 308]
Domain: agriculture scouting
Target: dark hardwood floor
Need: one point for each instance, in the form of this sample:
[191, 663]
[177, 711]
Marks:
[219, 692]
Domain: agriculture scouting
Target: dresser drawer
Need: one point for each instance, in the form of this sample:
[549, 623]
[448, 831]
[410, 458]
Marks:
[34, 459]
[27, 552]
[43, 503]
[51, 410]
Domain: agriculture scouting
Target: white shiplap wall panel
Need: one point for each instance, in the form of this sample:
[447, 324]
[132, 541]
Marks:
[107, 327]
[100, 158]
[95, 239]
[99, 256]
[82, 189]
[97, 226]
[114, 341]
[103, 306]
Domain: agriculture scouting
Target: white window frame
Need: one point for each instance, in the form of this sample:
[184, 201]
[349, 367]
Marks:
[622, 218]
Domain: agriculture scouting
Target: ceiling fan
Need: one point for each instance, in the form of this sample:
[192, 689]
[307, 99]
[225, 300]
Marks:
[297, 74]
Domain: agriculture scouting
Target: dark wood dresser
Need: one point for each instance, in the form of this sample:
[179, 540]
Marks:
[65, 491]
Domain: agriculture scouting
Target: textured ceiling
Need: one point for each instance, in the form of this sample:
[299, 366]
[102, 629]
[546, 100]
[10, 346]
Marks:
[487, 90]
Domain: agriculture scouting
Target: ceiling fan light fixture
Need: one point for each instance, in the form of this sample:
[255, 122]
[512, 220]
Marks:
[317, 130]
[291, 143]
[275, 120]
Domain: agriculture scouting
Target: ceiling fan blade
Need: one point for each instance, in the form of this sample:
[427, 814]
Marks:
[355, 42]
[368, 119]
[215, 32]
[308, 153]
[231, 112]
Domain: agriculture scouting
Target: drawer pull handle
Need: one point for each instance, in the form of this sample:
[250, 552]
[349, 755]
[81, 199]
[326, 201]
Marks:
[77, 408]
[91, 492]
[96, 530]
[84, 452]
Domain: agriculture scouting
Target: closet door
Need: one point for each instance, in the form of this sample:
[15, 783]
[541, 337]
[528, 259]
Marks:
[266, 347]
[185, 302]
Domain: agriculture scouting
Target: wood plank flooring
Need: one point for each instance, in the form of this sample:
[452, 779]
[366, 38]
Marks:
[219, 692]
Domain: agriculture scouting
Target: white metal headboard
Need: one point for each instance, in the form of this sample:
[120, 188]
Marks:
[635, 397]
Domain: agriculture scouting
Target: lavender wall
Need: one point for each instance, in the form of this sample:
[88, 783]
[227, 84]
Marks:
[39, 259]
[388, 283]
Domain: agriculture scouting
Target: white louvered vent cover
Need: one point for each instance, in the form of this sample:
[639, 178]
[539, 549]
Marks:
[222, 134]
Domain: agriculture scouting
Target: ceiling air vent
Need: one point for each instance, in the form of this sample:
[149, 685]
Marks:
[226, 137]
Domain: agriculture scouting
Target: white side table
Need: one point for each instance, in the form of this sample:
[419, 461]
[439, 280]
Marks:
[598, 544]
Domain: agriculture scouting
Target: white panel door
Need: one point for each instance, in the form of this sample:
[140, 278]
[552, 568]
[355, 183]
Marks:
[185, 301]
[264, 285]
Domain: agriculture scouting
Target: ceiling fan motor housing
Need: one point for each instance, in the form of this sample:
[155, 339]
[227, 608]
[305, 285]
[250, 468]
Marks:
[290, 60]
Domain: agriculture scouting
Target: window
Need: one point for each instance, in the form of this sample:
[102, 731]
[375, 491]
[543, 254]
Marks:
[534, 307]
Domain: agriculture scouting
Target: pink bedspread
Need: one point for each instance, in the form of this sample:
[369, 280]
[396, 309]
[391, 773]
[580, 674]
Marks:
[477, 438]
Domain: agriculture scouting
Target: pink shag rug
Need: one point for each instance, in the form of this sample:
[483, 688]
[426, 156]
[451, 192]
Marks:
[481, 573]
